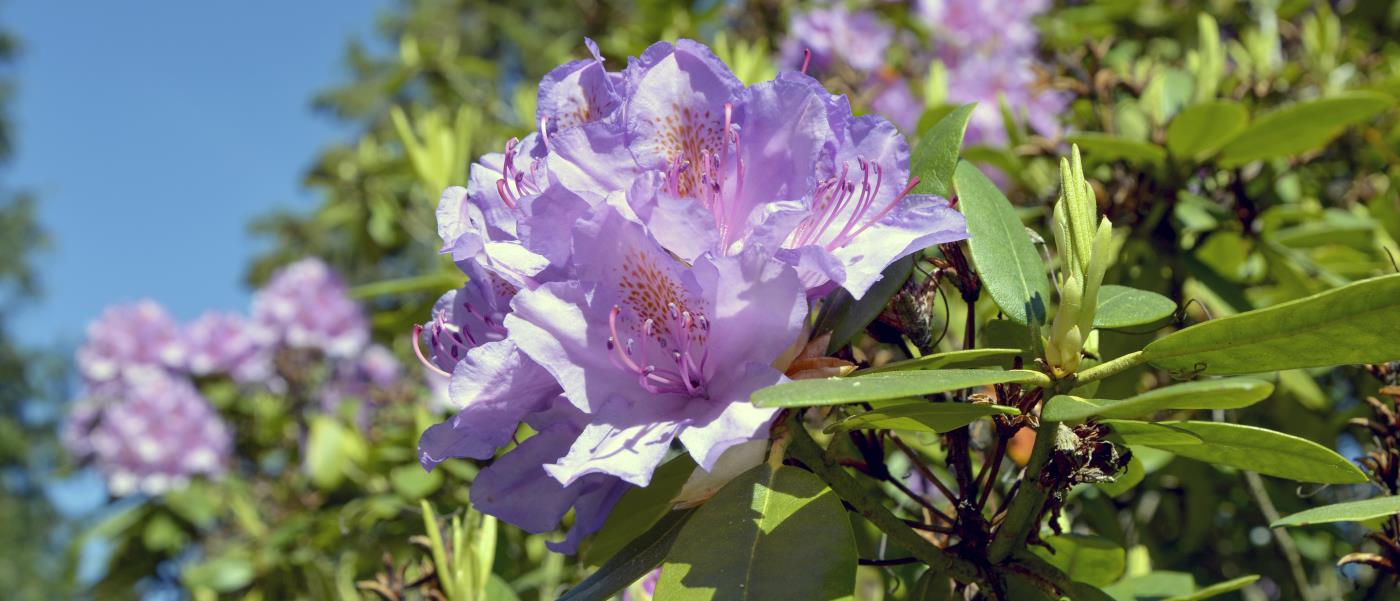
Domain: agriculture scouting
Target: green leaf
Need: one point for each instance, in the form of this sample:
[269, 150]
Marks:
[1353, 511]
[846, 317]
[892, 385]
[1224, 393]
[1105, 147]
[638, 510]
[223, 574]
[632, 562]
[921, 416]
[936, 156]
[1153, 586]
[412, 482]
[1121, 307]
[162, 534]
[769, 534]
[1302, 126]
[325, 461]
[1204, 128]
[976, 357]
[1218, 589]
[1089, 559]
[1150, 434]
[1348, 325]
[1010, 268]
[1264, 451]
[497, 589]
[933, 585]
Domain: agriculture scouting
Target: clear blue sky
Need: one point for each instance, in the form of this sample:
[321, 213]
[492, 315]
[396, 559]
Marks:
[153, 131]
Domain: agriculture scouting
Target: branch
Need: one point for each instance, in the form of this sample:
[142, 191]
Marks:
[804, 449]
[1110, 368]
[1024, 511]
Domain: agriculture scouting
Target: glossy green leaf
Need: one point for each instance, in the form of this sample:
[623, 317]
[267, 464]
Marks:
[1121, 307]
[936, 156]
[1010, 267]
[1089, 559]
[892, 385]
[1218, 589]
[974, 357]
[1353, 324]
[1105, 147]
[1204, 128]
[921, 416]
[1302, 126]
[638, 510]
[1264, 451]
[633, 561]
[1150, 434]
[769, 534]
[1353, 511]
[1223, 393]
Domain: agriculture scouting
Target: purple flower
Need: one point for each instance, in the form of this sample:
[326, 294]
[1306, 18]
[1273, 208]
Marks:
[360, 378]
[123, 337]
[989, 49]
[305, 306]
[897, 102]
[988, 79]
[859, 39]
[153, 438]
[654, 351]
[224, 343]
[517, 488]
[492, 383]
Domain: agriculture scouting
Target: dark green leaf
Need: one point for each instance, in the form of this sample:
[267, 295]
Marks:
[1349, 325]
[1264, 451]
[1010, 268]
[638, 510]
[1105, 147]
[1302, 126]
[1354, 511]
[921, 416]
[936, 156]
[632, 562]
[892, 385]
[1121, 307]
[846, 317]
[1224, 393]
[933, 585]
[975, 357]
[1089, 559]
[1204, 128]
[769, 534]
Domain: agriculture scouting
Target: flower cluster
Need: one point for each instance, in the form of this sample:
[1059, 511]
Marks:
[643, 263]
[988, 47]
[142, 421]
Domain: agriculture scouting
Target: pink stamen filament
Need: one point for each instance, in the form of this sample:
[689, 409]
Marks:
[806, 59]
[684, 331]
[418, 350]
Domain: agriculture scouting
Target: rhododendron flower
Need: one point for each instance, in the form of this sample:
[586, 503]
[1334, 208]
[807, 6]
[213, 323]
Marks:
[492, 383]
[224, 343]
[858, 39]
[306, 306]
[643, 264]
[654, 350]
[375, 370]
[139, 335]
[154, 437]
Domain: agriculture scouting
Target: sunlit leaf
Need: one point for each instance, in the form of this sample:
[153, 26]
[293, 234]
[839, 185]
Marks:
[891, 385]
[1353, 511]
[1010, 268]
[922, 416]
[1264, 451]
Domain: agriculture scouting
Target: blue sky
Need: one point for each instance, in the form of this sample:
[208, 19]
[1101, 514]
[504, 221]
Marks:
[153, 131]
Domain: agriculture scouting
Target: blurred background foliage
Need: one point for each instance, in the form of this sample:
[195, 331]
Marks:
[1164, 93]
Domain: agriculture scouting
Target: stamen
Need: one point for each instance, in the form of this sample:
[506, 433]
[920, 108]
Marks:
[544, 131]
[806, 59]
[418, 350]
